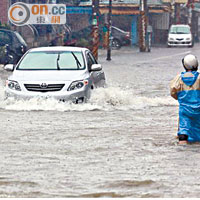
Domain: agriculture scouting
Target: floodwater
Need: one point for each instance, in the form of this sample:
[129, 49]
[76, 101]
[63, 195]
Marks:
[122, 143]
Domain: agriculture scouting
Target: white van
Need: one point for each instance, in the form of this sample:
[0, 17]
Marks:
[180, 35]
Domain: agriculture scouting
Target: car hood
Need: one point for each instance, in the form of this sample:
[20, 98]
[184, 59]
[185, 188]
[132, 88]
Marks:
[48, 75]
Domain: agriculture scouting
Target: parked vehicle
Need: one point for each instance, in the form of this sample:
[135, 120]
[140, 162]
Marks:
[180, 35]
[119, 37]
[63, 73]
[14, 46]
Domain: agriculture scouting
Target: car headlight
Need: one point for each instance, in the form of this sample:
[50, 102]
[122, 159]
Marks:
[170, 38]
[13, 85]
[77, 85]
[188, 38]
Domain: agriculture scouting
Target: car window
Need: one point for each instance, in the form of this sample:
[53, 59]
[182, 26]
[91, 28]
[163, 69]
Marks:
[179, 30]
[113, 31]
[91, 60]
[52, 60]
[5, 38]
[116, 29]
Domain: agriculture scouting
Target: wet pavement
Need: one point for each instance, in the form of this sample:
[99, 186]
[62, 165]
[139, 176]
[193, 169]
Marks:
[122, 143]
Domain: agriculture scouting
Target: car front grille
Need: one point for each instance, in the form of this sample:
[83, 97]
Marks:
[179, 39]
[180, 42]
[44, 88]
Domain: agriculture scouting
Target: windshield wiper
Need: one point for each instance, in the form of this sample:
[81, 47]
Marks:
[58, 58]
[77, 61]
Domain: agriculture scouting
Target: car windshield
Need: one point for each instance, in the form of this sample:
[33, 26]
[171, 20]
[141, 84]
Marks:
[52, 60]
[179, 30]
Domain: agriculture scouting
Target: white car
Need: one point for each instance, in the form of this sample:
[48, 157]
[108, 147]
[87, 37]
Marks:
[63, 73]
[180, 35]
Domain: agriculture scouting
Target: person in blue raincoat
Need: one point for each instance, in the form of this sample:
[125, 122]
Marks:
[185, 88]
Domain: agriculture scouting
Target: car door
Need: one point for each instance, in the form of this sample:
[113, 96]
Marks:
[5, 39]
[97, 76]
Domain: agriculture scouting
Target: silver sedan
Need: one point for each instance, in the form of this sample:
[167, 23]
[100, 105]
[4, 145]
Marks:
[63, 73]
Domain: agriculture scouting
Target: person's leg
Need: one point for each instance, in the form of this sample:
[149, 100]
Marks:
[183, 139]
[184, 126]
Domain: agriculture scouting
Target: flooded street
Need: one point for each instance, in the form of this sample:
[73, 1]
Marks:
[122, 143]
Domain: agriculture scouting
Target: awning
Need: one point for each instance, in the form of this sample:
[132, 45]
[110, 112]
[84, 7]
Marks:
[175, 1]
[128, 12]
[119, 12]
[132, 10]
[78, 10]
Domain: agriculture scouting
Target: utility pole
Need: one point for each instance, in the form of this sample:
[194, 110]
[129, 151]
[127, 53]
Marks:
[95, 28]
[109, 31]
[191, 17]
[177, 13]
[143, 25]
[172, 15]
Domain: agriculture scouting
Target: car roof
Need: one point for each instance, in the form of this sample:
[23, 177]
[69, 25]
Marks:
[58, 48]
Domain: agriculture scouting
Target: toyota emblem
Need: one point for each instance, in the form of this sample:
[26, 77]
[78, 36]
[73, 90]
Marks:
[43, 85]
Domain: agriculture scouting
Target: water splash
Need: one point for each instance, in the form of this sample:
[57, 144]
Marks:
[122, 99]
[111, 98]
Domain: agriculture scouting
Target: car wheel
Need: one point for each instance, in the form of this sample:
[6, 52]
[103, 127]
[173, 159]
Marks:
[116, 44]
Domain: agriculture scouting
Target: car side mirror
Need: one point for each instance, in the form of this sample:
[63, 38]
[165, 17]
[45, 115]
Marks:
[9, 67]
[96, 67]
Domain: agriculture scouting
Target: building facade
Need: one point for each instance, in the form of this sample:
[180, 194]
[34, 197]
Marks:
[4, 5]
[125, 13]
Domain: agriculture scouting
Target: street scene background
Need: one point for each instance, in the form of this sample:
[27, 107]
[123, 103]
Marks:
[122, 143]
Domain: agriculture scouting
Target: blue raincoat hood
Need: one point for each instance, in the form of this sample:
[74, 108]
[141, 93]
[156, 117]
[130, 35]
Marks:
[189, 80]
